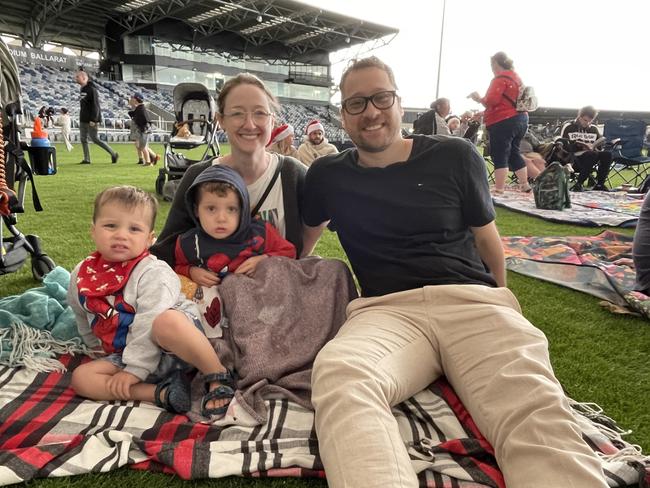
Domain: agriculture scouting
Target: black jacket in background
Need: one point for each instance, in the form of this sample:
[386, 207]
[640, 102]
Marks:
[90, 110]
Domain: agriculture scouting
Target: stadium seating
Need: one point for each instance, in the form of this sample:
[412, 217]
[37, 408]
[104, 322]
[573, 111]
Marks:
[45, 85]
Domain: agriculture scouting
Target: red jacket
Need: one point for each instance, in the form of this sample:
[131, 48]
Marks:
[270, 242]
[497, 106]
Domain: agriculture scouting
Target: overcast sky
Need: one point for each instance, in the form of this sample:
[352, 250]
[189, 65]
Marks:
[573, 53]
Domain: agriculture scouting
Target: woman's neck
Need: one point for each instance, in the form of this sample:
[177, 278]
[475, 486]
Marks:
[250, 166]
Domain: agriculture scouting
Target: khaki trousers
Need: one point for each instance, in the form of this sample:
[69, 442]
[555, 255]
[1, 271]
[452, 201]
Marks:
[395, 345]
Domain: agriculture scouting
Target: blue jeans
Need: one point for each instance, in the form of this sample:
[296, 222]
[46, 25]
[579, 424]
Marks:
[505, 137]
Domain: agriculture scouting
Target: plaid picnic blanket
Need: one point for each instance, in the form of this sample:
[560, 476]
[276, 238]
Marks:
[584, 263]
[591, 208]
[47, 431]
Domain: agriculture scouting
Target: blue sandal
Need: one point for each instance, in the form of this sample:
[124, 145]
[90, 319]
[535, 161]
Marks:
[224, 391]
[173, 393]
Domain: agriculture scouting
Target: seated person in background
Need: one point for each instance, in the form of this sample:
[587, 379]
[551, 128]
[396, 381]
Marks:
[535, 162]
[130, 304]
[584, 138]
[281, 141]
[641, 248]
[442, 109]
[316, 145]
[226, 238]
[454, 125]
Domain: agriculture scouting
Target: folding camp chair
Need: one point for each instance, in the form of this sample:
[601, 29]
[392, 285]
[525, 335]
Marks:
[629, 164]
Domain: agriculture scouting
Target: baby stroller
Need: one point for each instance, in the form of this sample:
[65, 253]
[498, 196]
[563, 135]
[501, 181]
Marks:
[194, 109]
[15, 170]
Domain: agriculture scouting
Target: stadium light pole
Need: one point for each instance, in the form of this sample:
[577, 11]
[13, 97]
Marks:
[442, 33]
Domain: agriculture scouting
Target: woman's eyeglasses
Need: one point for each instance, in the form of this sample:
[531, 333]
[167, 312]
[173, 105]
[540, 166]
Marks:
[382, 100]
[260, 117]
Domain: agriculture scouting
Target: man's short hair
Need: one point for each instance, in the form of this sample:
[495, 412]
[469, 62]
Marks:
[129, 196]
[369, 62]
[589, 111]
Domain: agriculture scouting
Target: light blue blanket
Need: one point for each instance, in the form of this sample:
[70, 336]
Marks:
[38, 325]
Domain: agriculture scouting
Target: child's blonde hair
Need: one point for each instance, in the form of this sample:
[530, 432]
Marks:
[129, 196]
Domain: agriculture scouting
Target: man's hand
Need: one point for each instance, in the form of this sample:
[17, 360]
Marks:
[119, 385]
[204, 277]
[92, 124]
[248, 266]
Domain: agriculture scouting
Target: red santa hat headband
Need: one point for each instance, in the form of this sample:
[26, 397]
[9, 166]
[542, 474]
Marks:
[281, 132]
[314, 125]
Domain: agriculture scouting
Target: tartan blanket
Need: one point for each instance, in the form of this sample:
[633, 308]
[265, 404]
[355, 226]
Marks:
[584, 263]
[47, 431]
[591, 208]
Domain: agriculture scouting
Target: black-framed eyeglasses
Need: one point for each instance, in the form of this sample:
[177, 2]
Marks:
[382, 100]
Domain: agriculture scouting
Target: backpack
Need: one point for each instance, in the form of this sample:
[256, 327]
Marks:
[551, 188]
[424, 123]
[526, 99]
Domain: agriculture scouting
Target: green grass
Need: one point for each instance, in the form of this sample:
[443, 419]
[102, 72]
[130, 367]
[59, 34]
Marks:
[599, 357]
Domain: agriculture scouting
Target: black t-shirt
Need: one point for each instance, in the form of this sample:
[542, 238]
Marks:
[406, 225]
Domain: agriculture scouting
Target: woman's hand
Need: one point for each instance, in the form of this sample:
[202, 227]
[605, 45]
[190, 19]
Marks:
[119, 385]
[204, 277]
[475, 96]
[248, 266]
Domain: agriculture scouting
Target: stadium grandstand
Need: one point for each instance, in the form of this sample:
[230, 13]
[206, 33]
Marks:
[151, 45]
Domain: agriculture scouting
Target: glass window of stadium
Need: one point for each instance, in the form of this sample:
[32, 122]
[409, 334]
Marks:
[137, 73]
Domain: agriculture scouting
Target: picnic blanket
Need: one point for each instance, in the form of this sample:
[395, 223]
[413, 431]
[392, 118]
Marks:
[590, 208]
[47, 431]
[38, 325]
[584, 263]
[278, 320]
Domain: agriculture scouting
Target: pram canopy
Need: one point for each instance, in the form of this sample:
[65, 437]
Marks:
[191, 100]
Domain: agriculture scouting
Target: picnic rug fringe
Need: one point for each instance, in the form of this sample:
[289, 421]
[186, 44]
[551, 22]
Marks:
[48, 431]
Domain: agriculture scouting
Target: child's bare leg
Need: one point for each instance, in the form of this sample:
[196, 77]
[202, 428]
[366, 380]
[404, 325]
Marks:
[173, 331]
[89, 380]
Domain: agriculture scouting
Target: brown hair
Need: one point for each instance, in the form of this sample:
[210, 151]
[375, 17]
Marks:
[502, 60]
[129, 196]
[245, 79]
[220, 188]
[589, 111]
[369, 62]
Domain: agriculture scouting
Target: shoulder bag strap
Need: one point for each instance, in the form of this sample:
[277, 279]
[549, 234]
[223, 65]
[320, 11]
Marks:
[269, 187]
[514, 103]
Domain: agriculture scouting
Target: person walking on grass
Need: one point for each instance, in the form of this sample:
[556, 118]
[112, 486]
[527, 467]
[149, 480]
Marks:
[142, 124]
[90, 115]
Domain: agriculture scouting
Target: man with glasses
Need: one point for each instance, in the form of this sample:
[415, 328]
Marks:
[315, 145]
[586, 144]
[416, 221]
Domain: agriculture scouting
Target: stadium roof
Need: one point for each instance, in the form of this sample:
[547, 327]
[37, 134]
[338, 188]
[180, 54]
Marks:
[265, 29]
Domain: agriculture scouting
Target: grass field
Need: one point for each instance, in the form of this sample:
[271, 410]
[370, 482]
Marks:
[598, 357]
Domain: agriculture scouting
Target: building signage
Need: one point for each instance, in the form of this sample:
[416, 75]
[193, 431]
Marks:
[26, 55]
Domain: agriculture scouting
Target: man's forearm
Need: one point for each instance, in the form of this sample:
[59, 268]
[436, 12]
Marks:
[310, 236]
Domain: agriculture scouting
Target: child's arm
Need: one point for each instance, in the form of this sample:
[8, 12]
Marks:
[158, 290]
[182, 266]
[276, 245]
[79, 314]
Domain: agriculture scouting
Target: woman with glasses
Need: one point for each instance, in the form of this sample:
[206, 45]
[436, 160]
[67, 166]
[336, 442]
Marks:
[506, 127]
[246, 111]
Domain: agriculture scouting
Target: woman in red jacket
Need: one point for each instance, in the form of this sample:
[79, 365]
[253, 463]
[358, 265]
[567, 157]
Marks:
[506, 127]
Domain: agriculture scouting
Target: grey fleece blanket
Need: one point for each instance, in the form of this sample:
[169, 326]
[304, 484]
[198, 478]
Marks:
[278, 321]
